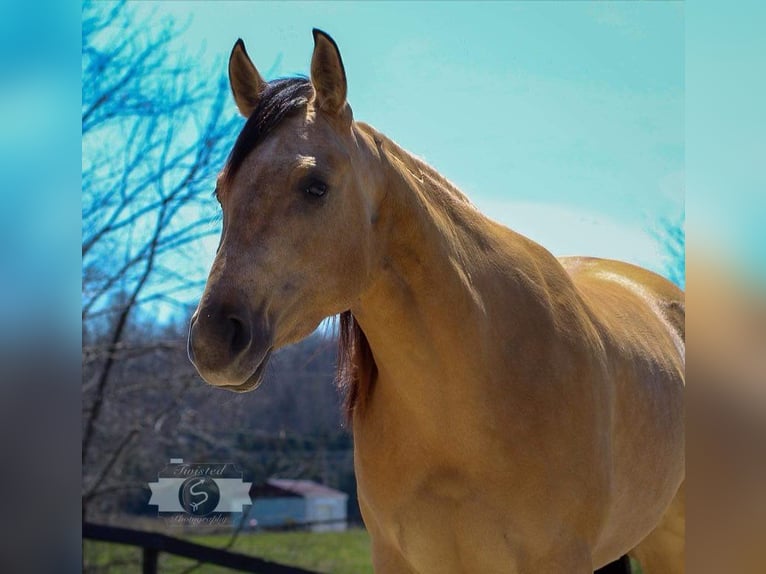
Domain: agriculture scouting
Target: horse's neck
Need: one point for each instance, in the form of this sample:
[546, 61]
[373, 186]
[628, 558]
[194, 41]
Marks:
[452, 283]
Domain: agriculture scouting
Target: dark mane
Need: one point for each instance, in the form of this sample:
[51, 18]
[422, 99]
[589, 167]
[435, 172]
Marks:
[279, 99]
[357, 370]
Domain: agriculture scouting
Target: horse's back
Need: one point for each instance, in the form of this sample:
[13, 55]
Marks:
[609, 285]
[640, 317]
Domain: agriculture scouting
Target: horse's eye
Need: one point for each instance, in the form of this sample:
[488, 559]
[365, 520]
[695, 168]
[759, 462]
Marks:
[316, 189]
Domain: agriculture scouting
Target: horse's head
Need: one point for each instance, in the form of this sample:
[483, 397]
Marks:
[298, 214]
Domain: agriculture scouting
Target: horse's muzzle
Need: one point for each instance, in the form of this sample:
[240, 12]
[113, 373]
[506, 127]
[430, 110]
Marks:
[228, 347]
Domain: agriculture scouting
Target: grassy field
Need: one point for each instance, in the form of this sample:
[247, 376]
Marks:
[332, 552]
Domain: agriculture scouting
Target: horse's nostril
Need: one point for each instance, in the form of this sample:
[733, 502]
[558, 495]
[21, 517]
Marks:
[219, 339]
[240, 335]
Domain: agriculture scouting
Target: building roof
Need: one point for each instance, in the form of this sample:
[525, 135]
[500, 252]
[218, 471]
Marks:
[275, 487]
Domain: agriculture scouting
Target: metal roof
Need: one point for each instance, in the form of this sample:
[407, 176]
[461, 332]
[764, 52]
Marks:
[305, 488]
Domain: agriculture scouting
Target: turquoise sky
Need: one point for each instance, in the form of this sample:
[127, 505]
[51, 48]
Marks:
[726, 153]
[564, 121]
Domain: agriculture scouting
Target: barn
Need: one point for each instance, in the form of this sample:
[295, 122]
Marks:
[285, 503]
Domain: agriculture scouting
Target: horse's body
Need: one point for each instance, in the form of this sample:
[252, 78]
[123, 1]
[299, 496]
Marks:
[512, 412]
[513, 400]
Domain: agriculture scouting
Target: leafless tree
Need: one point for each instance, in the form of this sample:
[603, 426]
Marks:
[671, 235]
[154, 134]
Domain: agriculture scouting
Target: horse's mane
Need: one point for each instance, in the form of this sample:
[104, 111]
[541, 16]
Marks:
[357, 369]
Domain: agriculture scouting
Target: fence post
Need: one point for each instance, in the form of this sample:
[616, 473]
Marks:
[150, 561]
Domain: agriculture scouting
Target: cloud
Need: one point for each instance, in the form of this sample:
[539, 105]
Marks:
[568, 230]
[673, 187]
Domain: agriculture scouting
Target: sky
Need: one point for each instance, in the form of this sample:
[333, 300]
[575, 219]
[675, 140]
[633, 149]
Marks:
[726, 151]
[562, 120]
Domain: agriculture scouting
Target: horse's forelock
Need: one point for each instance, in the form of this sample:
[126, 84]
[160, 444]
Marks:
[278, 100]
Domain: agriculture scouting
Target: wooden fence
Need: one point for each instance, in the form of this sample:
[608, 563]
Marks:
[153, 543]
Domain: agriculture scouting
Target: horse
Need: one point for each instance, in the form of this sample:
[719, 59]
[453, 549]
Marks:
[511, 411]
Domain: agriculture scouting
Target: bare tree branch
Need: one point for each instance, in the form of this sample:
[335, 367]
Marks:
[154, 136]
[148, 162]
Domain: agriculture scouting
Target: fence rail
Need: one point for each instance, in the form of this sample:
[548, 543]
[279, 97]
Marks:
[153, 543]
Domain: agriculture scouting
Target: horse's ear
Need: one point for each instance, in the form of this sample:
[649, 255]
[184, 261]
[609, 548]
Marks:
[245, 81]
[327, 74]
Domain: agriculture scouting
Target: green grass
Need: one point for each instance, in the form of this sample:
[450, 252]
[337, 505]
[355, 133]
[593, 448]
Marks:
[332, 552]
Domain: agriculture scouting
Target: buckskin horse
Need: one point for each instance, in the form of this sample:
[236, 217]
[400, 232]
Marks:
[511, 411]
